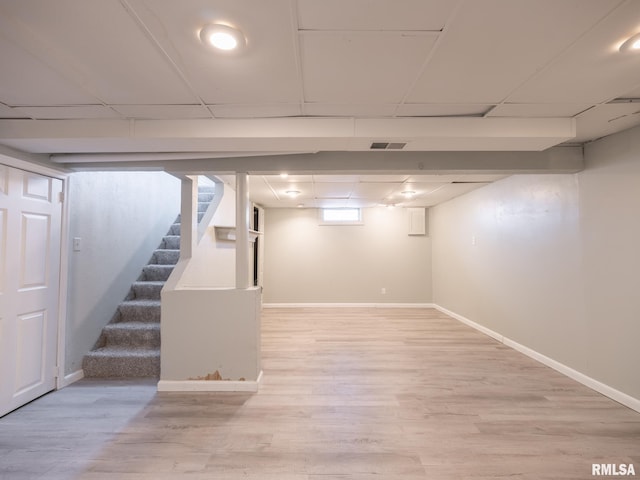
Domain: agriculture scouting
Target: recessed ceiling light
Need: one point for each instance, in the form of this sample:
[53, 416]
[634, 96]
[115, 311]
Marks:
[222, 37]
[293, 193]
[408, 193]
[632, 44]
[284, 175]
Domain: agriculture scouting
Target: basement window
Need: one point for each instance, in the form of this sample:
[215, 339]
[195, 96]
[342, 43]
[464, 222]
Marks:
[340, 216]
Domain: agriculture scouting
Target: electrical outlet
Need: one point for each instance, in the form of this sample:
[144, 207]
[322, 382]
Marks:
[77, 244]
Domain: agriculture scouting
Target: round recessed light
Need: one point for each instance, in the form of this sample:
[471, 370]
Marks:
[222, 37]
[284, 175]
[632, 44]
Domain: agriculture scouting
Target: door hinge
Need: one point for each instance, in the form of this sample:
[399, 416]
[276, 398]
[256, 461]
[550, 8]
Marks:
[61, 197]
[56, 372]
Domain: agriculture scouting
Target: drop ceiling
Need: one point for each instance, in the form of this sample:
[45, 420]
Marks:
[99, 81]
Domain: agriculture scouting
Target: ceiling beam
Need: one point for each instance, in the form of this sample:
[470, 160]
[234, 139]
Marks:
[284, 134]
[554, 160]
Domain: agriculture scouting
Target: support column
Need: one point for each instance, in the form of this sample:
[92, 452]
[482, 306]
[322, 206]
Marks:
[242, 231]
[188, 215]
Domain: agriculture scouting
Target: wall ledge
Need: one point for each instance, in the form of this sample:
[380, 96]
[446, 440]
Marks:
[604, 389]
[209, 385]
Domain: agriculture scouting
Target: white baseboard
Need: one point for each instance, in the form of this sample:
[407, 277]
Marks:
[348, 305]
[71, 378]
[210, 385]
[593, 384]
[604, 389]
[472, 324]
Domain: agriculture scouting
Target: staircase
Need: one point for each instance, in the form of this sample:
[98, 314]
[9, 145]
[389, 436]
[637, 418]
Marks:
[129, 346]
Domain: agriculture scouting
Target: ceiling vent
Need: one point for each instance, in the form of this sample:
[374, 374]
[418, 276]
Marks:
[387, 146]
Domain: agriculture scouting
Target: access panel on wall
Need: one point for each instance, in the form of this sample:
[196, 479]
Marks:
[30, 225]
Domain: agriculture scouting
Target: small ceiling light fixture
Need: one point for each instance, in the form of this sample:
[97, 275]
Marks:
[408, 193]
[222, 37]
[284, 175]
[632, 44]
[293, 193]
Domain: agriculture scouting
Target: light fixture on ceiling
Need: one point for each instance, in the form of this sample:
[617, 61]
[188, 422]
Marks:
[408, 193]
[222, 37]
[284, 175]
[293, 193]
[632, 44]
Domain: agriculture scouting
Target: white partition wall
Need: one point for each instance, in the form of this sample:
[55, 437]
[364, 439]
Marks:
[210, 326]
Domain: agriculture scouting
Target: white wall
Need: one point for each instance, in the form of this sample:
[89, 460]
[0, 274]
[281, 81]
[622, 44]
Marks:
[213, 262]
[305, 262]
[552, 262]
[121, 218]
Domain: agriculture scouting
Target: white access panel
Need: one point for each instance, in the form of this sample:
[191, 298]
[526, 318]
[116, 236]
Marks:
[30, 226]
[417, 221]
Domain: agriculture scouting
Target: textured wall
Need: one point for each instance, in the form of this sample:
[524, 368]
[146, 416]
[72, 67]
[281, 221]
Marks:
[121, 218]
[310, 263]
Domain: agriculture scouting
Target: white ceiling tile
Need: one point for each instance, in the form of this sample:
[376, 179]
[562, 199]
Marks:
[446, 192]
[592, 70]
[338, 110]
[127, 68]
[331, 202]
[162, 111]
[256, 111]
[372, 190]
[362, 67]
[69, 112]
[537, 110]
[374, 14]
[264, 72]
[9, 112]
[305, 189]
[333, 190]
[32, 82]
[635, 93]
[440, 110]
[606, 119]
[260, 192]
[419, 188]
[494, 46]
[362, 203]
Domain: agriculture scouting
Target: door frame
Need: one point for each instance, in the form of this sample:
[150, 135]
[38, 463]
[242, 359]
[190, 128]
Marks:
[31, 163]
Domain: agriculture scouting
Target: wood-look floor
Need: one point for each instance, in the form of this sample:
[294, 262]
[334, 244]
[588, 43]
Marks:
[350, 394]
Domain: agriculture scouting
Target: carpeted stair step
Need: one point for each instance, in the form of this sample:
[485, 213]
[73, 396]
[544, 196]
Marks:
[170, 242]
[200, 216]
[165, 257]
[156, 273]
[147, 290]
[205, 197]
[122, 362]
[174, 229]
[132, 334]
[139, 311]
[202, 206]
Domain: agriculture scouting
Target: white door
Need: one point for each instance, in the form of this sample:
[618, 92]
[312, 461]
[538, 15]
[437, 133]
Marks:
[30, 224]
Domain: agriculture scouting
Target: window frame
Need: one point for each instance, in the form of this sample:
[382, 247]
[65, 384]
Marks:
[337, 222]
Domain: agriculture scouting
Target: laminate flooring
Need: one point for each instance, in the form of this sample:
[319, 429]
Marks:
[348, 394]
